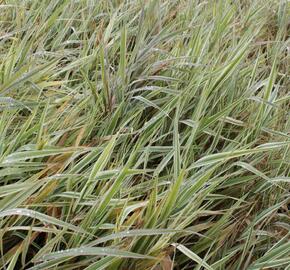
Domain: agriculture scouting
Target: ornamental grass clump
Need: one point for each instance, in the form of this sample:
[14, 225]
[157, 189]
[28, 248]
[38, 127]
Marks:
[144, 134]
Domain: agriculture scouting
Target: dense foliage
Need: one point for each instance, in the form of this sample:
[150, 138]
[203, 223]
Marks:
[144, 134]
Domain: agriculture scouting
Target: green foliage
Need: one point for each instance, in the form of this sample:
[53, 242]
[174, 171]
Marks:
[144, 134]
